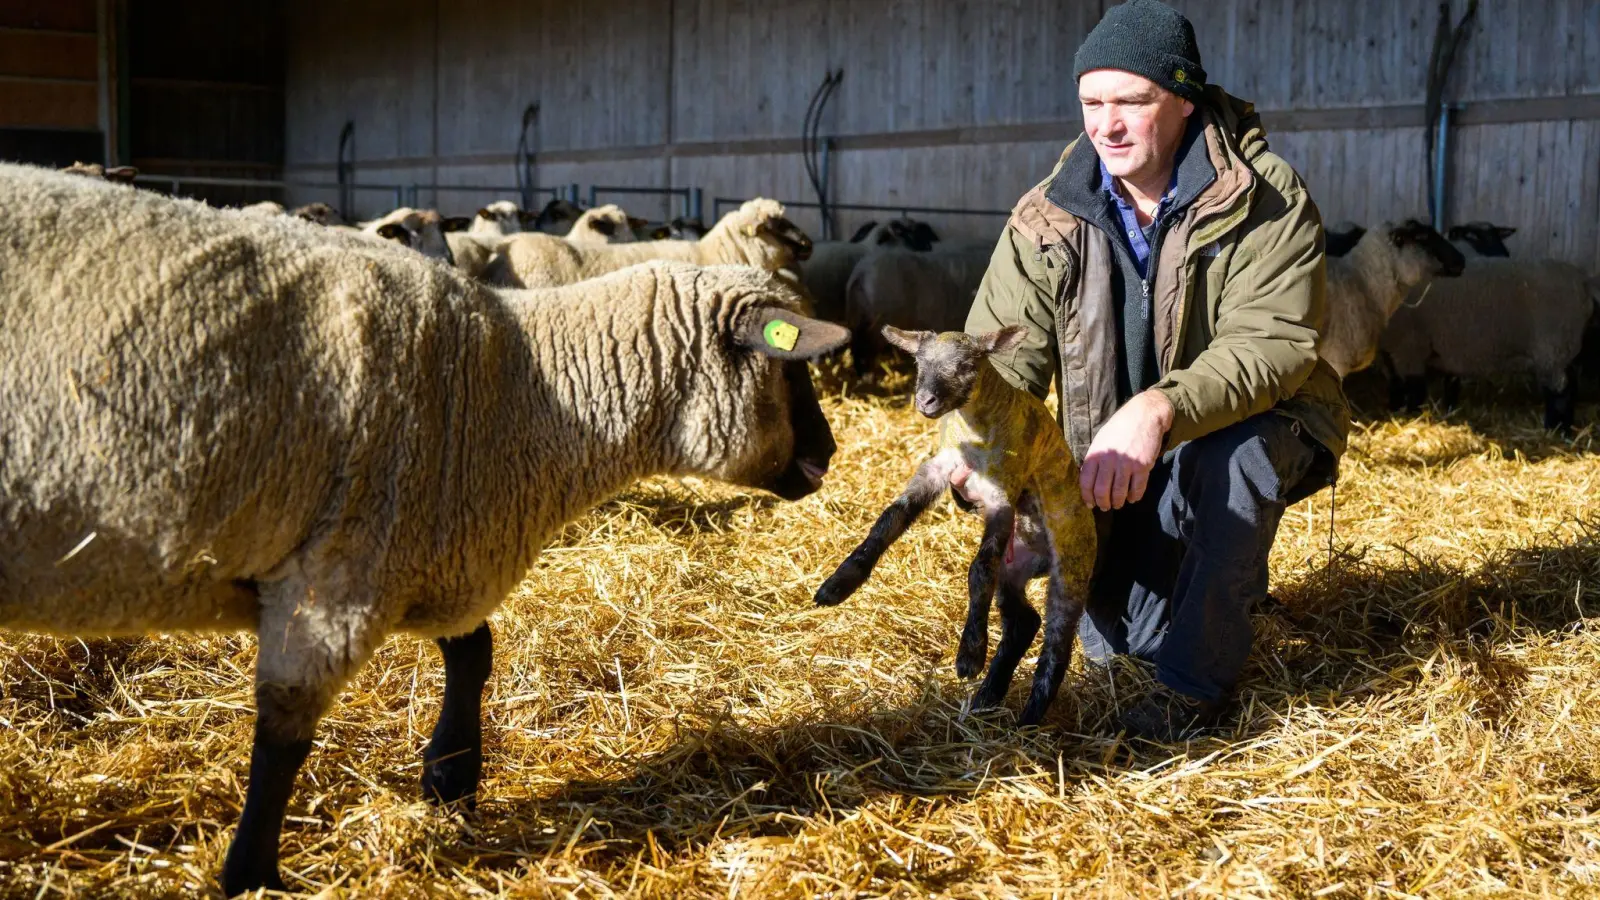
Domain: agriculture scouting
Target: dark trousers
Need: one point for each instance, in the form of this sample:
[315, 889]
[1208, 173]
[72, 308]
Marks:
[1180, 570]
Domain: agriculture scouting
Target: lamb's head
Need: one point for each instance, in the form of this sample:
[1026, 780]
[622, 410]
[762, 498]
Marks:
[764, 235]
[1420, 252]
[607, 224]
[500, 217]
[751, 416]
[556, 218]
[948, 364]
[1485, 238]
[118, 174]
[420, 229]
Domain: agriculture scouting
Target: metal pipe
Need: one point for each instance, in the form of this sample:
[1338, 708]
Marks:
[1441, 146]
[822, 196]
[719, 202]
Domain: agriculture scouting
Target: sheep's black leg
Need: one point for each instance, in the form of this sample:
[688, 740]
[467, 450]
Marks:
[1018, 626]
[1063, 609]
[974, 646]
[454, 758]
[863, 352]
[275, 759]
[1449, 395]
[924, 488]
[1559, 404]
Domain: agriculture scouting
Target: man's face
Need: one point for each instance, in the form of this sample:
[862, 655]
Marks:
[1135, 124]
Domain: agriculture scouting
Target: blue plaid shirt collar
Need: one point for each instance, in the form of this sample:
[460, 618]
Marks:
[1137, 239]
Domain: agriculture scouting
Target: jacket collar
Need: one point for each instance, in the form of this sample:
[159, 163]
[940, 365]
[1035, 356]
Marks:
[1078, 185]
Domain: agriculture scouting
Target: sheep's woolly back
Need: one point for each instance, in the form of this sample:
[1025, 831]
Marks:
[194, 399]
[537, 260]
[1500, 316]
[586, 233]
[1365, 288]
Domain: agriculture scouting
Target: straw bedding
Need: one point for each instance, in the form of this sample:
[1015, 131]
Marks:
[669, 716]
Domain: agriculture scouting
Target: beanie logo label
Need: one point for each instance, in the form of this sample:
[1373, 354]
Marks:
[1180, 76]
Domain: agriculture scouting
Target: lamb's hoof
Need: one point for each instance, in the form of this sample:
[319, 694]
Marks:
[839, 586]
[452, 781]
[969, 658]
[1033, 712]
[988, 697]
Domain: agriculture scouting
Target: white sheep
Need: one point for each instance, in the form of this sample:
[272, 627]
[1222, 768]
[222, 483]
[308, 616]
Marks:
[1366, 286]
[422, 230]
[264, 208]
[915, 291]
[1502, 316]
[499, 218]
[213, 420]
[826, 274]
[756, 234]
[608, 224]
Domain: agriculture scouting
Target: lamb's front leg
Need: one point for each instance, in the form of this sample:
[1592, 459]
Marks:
[997, 525]
[924, 488]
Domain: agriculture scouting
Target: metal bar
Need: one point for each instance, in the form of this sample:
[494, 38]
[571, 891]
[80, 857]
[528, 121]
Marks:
[719, 202]
[1441, 154]
[260, 182]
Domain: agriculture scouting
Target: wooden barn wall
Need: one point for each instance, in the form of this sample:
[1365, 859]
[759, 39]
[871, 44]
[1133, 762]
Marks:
[943, 103]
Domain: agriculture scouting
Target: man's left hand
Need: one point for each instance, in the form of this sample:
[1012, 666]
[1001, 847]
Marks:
[1116, 469]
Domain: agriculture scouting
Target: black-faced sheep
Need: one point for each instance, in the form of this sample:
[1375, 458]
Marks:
[213, 420]
[826, 274]
[929, 291]
[1367, 286]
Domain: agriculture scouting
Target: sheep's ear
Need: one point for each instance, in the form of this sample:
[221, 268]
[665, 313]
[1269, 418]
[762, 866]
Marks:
[925, 232]
[1005, 339]
[456, 223]
[782, 334]
[124, 174]
[636, 222]
[909, 341]
[862, 232]
[394, 231]
[604, 226]
[1505, 231]
[483, 213]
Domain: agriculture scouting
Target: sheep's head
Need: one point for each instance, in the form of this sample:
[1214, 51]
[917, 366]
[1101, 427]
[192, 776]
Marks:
[320, 213]
[768, 239]
[500, 217]
[752, 417]
[420, 229]
[119, 174]
[908, 233]
[607, 224]
[1485, 238]
[556, 218]
[948, 364]
[685, 228]
[1421, 252]
[1343, 237]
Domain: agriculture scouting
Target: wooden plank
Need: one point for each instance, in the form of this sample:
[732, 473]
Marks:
[57, 15]
[49, 54]
[28, 103]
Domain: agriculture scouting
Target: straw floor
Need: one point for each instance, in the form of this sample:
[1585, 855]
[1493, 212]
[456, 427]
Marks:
[670, 716]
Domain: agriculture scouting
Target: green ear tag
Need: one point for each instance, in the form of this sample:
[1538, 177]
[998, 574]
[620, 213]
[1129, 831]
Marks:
[780, 334]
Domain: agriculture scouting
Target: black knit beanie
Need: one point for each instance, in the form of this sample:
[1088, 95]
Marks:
[1149, 38]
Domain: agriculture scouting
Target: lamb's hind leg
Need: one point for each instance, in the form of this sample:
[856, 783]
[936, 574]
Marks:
[1070, 569]
[925, 487]
[310, 643]
[453, 761]
[997, 522]
[1018, 626]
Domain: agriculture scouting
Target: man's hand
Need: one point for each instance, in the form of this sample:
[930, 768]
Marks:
[1117, 468]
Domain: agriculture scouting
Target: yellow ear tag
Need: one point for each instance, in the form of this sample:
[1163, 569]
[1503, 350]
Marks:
[780, 334]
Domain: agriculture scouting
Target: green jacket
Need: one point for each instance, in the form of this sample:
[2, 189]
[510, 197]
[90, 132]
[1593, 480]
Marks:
[1238, 301]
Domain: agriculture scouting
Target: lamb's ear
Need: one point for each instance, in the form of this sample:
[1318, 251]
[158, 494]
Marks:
[909, 341]
[782, 334]
[1005, 339]
[455, 223]
[394, 231]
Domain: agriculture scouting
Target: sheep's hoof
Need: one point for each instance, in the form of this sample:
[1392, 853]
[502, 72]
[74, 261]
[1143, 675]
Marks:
[244, 878]
[452, 780]
[988, 697]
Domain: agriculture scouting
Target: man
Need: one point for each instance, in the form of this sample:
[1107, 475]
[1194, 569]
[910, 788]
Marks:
[1170, 273]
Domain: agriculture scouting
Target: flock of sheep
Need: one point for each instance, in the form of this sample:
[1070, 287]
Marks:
[272, 420]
